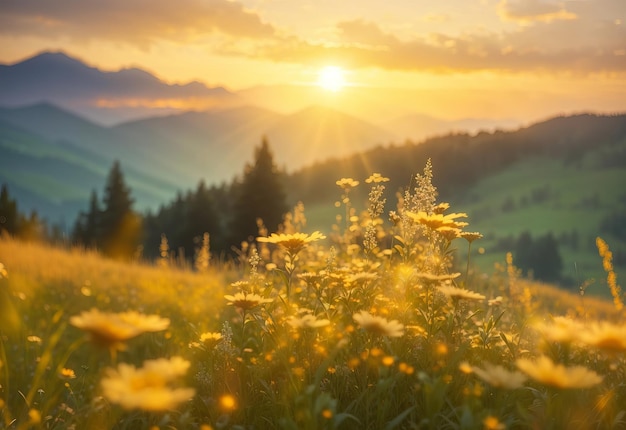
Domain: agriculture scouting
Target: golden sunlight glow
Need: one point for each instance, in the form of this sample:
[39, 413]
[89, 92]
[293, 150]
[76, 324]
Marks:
[331, 78]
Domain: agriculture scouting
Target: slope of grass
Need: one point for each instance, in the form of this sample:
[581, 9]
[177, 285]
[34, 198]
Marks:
[575, 198]
[309, 336]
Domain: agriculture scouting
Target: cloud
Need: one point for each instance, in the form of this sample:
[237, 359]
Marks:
[576, 36]
[594, 42]
[139, 22]
[527, 11]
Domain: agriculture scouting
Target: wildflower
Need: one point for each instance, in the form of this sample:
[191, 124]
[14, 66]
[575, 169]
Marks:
[228, 403]
[292, 243]
[347, 183]
[605, 336]
[611, 278]
[148, 388]
[376, 178]
[456, 293]
[497, 301]
[327, 413]
[441, 208]
[436, 221]
[471, 236]
[210, 339]
[144, 323]
[437, 278]
[246, 301]
[379, 325]
[67, 373]
[546, 372]
[406, 368]
[3, 271]
[497, 376]
[34, 339]
[34, 416]
[111, 329]
[562, 330]
[449, 233]
[466, 368]
[388, 360]
[307, 321]
[493, 423]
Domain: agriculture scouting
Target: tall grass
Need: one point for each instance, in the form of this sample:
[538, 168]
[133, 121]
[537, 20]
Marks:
[371, 327]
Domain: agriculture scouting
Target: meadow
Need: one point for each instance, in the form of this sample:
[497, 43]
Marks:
[370, 325]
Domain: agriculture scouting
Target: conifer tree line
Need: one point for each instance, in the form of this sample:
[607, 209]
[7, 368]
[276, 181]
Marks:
[228, 213]
[17, 224]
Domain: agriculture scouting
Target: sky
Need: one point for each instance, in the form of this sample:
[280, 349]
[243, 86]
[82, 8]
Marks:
[453, 58]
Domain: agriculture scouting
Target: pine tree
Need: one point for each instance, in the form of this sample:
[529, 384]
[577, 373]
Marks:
[260, 194]
[200, 218]
[8, 212]
[86, 230]
[120, 227]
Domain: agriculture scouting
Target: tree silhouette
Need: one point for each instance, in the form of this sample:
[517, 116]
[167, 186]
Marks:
[200, 218]
[87, 227]
[260, 194]
[120, 227]
[9, 216]
[539, 257]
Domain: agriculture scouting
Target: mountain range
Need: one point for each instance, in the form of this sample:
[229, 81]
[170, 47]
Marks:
[56, 145]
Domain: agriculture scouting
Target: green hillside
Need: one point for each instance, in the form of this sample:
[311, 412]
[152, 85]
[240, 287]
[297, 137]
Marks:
[565, 176]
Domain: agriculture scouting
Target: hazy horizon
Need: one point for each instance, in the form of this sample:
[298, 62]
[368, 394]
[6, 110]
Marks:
[506, 59]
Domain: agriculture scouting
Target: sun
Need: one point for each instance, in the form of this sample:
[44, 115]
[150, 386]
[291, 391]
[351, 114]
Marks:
[331, 78]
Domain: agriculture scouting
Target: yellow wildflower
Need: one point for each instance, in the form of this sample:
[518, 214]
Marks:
[228, 403]
[210, 339]
[611, 277]
[111, 329]
[437, 278]
[148, 388]
[67, 373]
[347, 183]
[449, 233]
[471, 236]
[606, 336]
[246, 301]
[441, 208]
[499, 377]
[376, 178]
[379, 325]
[3, 271]
[493, 423]
[436, 221]
[456, 293]
[546, 372]
[307, 321]
[292, 243]
[562, 330]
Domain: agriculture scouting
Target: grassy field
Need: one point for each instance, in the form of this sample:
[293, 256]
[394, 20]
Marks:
[305, 332]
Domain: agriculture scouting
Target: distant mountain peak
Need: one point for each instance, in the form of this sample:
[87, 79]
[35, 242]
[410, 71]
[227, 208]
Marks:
[106, 97]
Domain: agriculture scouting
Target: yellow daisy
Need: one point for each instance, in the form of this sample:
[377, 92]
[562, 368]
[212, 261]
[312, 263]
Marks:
[292, 243]
[456, 293]
[606, 336]
[379, 325]
[499, 377]
[150, 388]
[436, 221]
[546, 372]
[246, 301]
[112, 329]
[307, 321]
